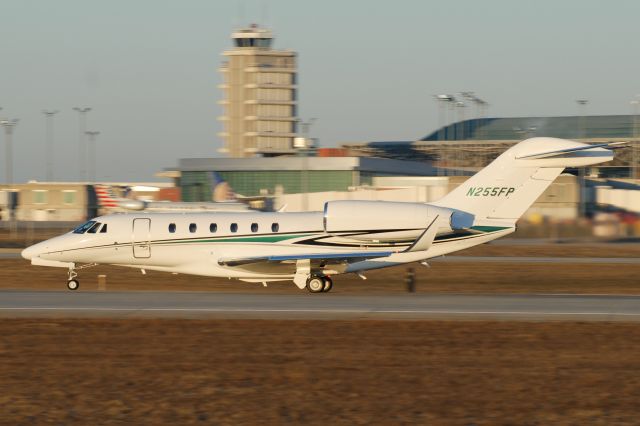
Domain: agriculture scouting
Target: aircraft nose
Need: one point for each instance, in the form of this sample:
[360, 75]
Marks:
[32, 251]
[28, 253]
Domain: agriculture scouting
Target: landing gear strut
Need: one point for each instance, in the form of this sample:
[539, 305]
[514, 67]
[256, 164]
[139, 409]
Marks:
[72, 283]
[319, 284]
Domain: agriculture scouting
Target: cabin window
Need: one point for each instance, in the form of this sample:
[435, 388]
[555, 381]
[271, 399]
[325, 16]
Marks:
[275, 227]
[213, 227]
[104, 229]
[234, 227]
[192, 227]
[172, 227]
[254, 227]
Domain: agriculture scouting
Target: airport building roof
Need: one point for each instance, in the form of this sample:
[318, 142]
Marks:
[515, 128]
[471, 144]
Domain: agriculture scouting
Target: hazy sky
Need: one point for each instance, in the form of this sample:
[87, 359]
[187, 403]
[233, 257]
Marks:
[367, 69]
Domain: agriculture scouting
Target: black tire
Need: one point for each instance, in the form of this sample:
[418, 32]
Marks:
[315, 284]
[73, 284]
[328, 284]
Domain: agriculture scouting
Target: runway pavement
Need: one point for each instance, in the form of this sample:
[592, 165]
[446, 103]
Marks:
[320, 306]
[482, 259]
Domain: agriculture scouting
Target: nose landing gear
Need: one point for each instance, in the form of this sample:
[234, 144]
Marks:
[319, 284]
[72, 282]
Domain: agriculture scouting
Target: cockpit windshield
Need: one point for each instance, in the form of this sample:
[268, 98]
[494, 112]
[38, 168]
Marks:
[84, 227]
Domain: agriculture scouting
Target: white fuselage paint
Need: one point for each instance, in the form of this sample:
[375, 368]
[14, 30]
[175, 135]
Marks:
[198, 252]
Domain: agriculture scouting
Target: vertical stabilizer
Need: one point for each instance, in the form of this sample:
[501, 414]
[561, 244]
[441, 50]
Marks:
[508, 186]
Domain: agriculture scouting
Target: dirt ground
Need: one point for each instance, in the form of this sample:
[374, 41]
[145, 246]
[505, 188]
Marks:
[472, 277]
[246, 372]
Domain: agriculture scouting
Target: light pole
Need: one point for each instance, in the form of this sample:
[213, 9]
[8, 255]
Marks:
[306, 126]
[8, 132]
[48, 114]
[480, 107]
[92, 134]
[582, 107]
[443, 101]
[633, 170]
[460, 134]
[82, 153]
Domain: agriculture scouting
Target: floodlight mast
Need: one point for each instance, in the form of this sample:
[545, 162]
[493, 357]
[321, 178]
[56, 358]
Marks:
[82, 153]
[92, 134]
[8, 133]
[49, 143]
[633, 170]
[582, 107]
[443, 101]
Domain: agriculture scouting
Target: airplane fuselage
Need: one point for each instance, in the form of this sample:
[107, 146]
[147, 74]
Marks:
[195, 243]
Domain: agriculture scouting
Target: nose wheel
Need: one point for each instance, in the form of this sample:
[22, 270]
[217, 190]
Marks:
[72, 283]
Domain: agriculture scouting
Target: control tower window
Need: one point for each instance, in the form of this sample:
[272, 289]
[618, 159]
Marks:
[252, 42]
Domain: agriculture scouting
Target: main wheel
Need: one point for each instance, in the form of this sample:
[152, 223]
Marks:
[73, 284]
[328, 284]
[315, 284]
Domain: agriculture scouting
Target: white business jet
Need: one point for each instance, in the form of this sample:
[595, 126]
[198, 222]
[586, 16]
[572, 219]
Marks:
[309, 248]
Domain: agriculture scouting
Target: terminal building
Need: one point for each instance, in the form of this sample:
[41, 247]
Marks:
[259, 85]
[288, 174]
[472, 144]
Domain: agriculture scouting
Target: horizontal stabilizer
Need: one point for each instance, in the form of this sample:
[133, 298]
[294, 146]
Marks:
[316, 257]
[561, 152]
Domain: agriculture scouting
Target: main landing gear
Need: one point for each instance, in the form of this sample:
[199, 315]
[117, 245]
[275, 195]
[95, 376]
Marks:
[319, 284]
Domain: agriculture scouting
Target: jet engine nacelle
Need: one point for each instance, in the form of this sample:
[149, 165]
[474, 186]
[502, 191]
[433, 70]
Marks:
[389, 221]
[132, 204]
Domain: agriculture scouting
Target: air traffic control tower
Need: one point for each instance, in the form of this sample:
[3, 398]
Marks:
[259, 86]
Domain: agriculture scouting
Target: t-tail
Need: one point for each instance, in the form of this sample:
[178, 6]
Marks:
[502, 192]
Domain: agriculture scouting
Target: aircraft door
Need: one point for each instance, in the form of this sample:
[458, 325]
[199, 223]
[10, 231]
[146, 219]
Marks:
[140, 238]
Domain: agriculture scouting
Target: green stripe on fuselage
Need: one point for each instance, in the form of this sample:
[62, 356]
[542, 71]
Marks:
[489, 228]
[248, 239]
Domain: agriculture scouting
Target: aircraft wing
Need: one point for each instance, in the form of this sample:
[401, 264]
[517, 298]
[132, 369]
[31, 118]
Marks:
[319, 258]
